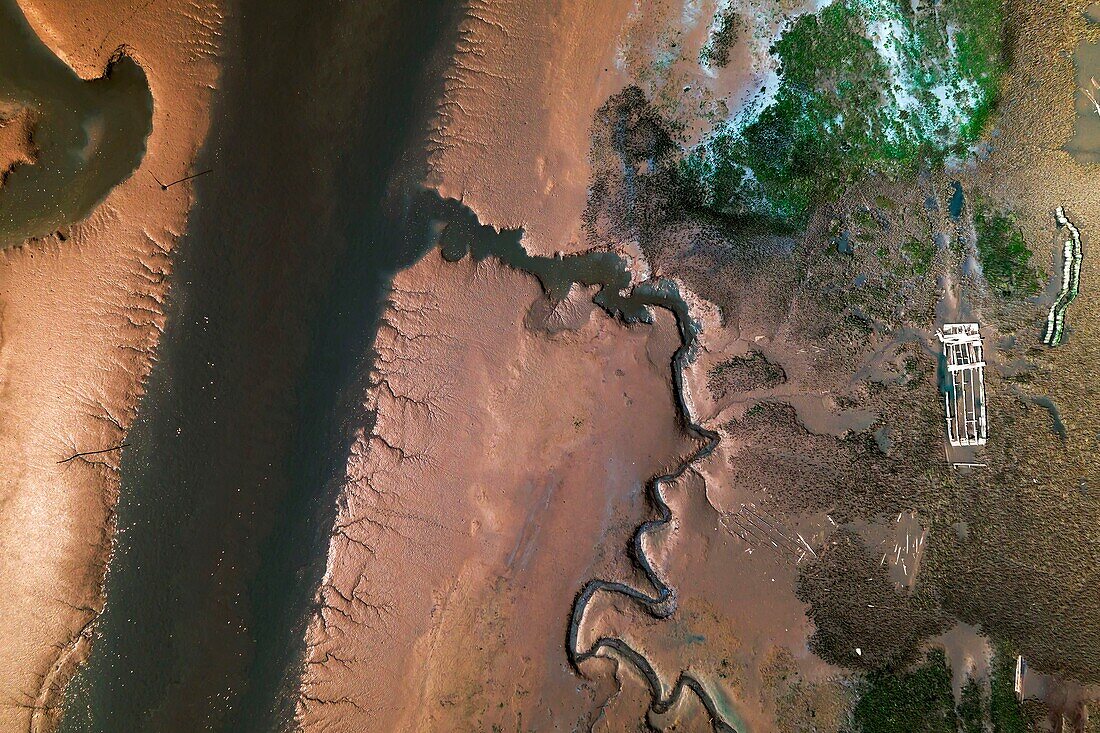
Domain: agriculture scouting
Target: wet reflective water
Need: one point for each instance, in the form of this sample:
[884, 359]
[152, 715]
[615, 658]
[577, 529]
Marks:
[1084, 146]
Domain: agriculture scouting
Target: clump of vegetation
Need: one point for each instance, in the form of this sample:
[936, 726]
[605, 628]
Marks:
[1005, 712]
[971, 709]
[775, 165]
[917, 701]
[744, 374]
[1004, 254]
[979, 45]
[855, 605]
[920, 700]
[866, 86]
[920, 252]
[727, 28]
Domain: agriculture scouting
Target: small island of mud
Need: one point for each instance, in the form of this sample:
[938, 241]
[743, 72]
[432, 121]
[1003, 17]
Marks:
[16, 139]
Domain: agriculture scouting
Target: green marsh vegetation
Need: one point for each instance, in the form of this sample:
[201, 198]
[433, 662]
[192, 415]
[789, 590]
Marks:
[1006, 714]
[921, 700]
[920, 252]
[1003, 252]
[916, 701]
[865, 86]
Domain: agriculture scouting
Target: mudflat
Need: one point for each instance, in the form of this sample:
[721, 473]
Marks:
[80, 314]
[505, 468]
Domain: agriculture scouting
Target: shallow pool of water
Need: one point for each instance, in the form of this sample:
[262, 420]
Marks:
[1084, 146]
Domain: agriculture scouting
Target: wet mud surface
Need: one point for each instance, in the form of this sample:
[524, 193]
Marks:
[1084, 146]
[390, 478]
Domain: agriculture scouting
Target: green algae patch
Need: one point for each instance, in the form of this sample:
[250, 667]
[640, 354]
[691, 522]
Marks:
[864, 86]
[1003, 253]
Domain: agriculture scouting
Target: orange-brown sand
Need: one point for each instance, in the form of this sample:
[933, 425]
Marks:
[80, 317]
[506, 468]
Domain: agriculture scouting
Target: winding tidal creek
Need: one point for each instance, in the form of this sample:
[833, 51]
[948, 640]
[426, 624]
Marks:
[462, 235]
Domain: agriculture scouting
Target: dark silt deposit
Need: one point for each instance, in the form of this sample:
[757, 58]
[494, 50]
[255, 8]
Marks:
[89, 135]
[227, 483]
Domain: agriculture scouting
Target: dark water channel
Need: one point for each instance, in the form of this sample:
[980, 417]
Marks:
[228, 483]
[90, 135]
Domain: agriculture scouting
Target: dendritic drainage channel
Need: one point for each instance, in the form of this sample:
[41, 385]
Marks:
[463, 235]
